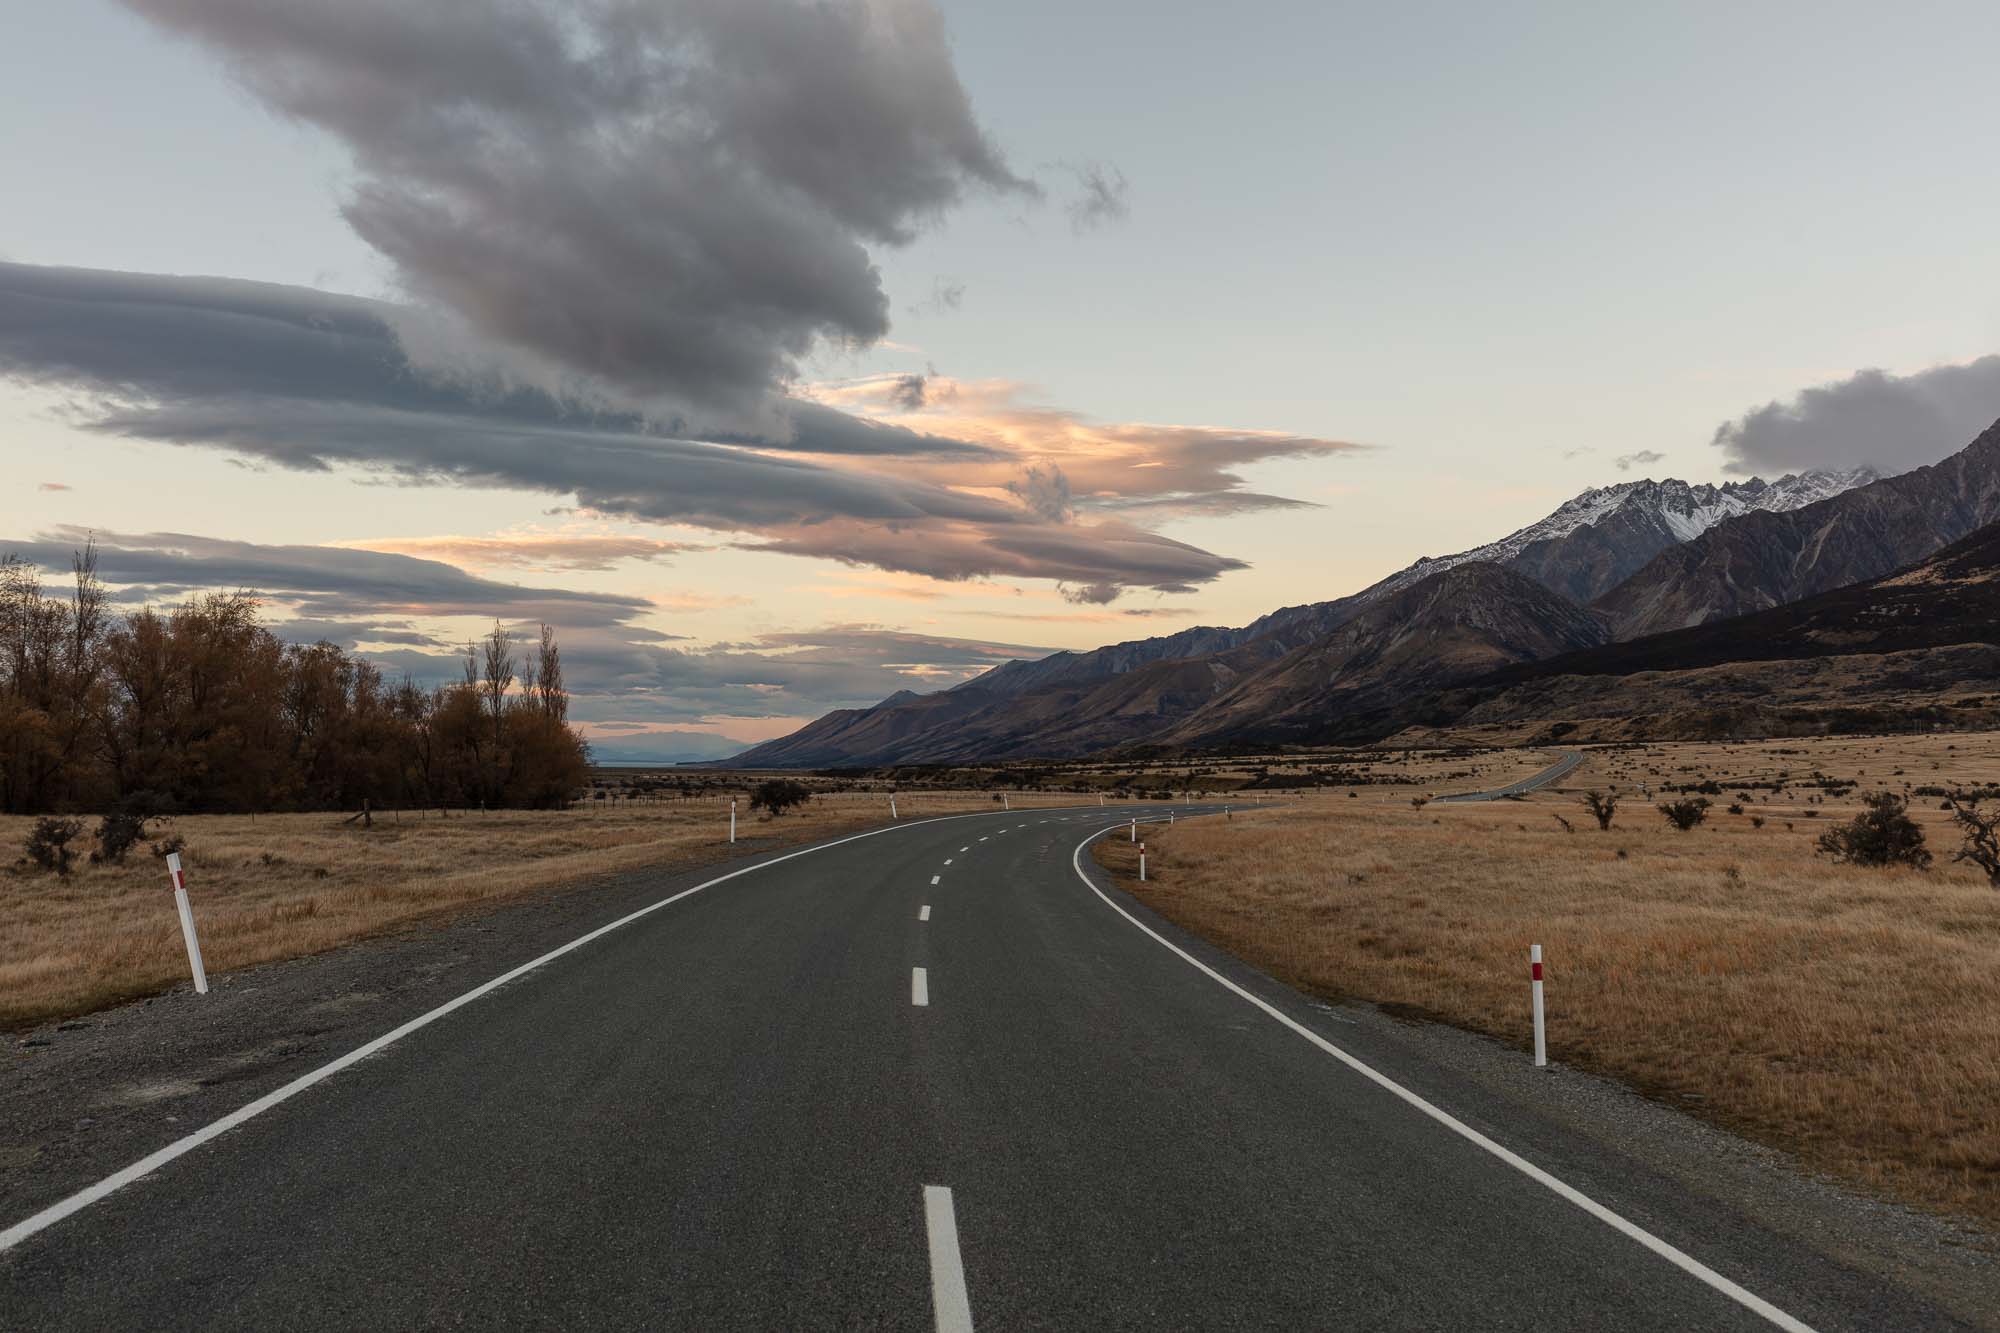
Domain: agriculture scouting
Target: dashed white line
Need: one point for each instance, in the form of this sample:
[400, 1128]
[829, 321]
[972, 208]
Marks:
[924, 912]
[153, 1161]
[947, 860]
[1685, 1262]
[968, 847]
[948, 1300]
[920, 986]
[935, 878]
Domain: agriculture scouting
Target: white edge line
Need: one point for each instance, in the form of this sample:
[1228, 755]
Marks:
[153, 1161]
[949, 1303]
[920, 986]
[1680, 1259]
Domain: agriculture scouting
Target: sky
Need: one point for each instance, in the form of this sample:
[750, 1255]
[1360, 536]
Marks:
[783, 356]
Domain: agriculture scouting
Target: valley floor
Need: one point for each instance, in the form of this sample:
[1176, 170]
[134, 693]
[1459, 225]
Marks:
[1846, 1015]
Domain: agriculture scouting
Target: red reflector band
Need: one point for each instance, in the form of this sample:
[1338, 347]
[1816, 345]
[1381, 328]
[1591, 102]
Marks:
[1537, 970]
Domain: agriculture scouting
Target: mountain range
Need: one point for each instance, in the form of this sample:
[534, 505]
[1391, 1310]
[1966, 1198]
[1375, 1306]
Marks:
[1615, 564]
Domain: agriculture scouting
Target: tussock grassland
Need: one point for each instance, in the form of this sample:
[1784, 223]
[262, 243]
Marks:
[280, 886]
[1849, 1015]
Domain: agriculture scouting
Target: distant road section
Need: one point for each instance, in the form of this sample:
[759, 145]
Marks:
[1562, 768]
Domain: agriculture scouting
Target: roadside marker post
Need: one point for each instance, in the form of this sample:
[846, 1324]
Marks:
[187, 923]
[732, 819]
[1005, 804]
[1142, 863]
[1135, 831]
[892, 809]
[1535, 986]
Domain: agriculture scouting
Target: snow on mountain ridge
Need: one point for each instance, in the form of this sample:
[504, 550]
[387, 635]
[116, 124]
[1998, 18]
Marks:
[1686, 510]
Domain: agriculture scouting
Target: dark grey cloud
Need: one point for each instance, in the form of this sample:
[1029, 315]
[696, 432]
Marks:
[1638, 458]
[323, 583]
[1889, 422]
[673, 195]
[1045, 491]
[302, 380]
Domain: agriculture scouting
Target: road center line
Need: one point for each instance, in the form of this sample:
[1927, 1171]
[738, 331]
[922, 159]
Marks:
[920, 987]
[924, 912]
[948, 1299]
[936, 878]
[1680, 1259]
[152, 1162]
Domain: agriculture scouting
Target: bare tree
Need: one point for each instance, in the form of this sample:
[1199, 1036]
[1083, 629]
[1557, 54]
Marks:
[1601, 807]
[497, 674]
[1982, 837]
[549, 685]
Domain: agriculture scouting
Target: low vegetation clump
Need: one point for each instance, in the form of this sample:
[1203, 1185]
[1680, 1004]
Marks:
[1603, 808]
[1883, 834]
[780, 794]
[1685, 813]
[48, 843]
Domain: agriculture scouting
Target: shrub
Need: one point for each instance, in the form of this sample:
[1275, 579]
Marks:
[1883, 834]
[779, 795]
[1601, 807]
[117, 834]
[1736, 807]
[1685, 813]
[47, 843]
[170, 844]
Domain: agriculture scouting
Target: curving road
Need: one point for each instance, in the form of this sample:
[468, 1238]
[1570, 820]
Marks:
[935, 1077]
[1561, 768]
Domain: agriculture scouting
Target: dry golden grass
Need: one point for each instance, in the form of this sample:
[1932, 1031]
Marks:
[280, 886]
[1849, 1015]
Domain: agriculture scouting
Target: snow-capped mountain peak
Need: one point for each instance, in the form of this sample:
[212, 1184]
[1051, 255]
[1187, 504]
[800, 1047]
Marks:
[1652, 514]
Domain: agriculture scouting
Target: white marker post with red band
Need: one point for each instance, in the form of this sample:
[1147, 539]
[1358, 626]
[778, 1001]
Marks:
[1535, 986]
[187, 923]
[1142, 863]
[1135, 832]
[732, 819]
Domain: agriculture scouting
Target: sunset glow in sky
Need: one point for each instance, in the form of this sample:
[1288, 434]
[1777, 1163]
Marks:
[783, 356]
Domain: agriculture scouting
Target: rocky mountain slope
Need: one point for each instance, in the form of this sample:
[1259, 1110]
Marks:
[1458, 624]
[1768, 559]
[1918, 646]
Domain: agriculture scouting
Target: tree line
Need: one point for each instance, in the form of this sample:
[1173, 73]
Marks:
[201, 709]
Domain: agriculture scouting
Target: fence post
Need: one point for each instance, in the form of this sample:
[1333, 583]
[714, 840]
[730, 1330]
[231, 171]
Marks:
[187, 923]
[1535, 986]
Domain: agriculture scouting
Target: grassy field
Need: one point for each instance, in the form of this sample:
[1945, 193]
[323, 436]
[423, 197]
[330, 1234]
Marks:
[280, 886]
[1849, 1015]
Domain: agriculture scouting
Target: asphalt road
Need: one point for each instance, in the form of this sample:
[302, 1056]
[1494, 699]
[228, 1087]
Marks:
[730, 1113]
[1561, 768]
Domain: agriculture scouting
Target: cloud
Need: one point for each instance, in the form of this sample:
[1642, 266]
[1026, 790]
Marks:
[1872, 418]
[1136, 468]
[531, 550]
[1045, 491]
[674, 197]
[1641, 458]
[1101, 195]
[407, 614]
[307, 381]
